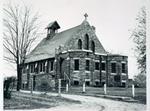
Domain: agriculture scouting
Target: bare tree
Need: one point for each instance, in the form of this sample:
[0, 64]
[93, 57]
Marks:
[20, 31]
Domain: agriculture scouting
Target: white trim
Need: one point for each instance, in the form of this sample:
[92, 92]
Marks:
[87, 79]
[113, 73]
[87, 58]
[76, 58]
[36, 65]
[96, 70]
[123, 62]
[103, 61]
[87, 71]
[76, 71]
[103, 71]
[64, 52]
[45, 63]
[96, 60]
[51, 71]
[123, 74]
[71, 50]
[27, 66]
[86, 50]
[32, 74]
[75, 79]
[100, 53]
[97, 80]
[123, 81]
[68, 58]
[41, 72]
[113, 61]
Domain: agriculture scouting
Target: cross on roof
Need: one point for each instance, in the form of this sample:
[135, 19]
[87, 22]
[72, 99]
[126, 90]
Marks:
[85, 15]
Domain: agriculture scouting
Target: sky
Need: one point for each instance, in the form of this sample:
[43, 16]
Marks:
[114, 21]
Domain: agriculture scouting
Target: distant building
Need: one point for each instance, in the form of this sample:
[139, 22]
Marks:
[75, 55]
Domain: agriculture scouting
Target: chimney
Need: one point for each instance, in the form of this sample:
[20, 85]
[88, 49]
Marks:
[52, 28]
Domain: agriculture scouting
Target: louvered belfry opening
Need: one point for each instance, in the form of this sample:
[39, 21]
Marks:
[52, 29]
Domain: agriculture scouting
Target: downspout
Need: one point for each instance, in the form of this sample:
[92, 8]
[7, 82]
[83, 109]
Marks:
[100, 68]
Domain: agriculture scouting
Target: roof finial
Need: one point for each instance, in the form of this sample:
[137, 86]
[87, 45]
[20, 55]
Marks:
[85, 15]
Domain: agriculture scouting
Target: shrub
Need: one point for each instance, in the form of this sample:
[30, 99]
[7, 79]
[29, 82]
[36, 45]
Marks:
[44, 86]
[8, 86]
[140, 80]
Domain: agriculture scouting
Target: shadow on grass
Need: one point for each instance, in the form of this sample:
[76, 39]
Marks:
[15, 103]
[36, 101]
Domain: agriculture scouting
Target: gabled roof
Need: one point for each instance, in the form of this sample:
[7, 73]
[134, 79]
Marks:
[46, 48]
[53, 25]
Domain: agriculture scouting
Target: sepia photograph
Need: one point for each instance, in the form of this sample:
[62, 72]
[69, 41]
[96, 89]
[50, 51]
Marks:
[74, 55]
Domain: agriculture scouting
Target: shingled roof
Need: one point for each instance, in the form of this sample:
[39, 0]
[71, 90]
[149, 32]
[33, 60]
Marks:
[46, 48]
[53, 24]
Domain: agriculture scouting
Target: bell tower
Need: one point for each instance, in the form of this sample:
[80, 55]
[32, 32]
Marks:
[52, 29]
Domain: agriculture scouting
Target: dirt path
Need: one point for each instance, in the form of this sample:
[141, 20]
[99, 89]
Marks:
[95, 104]
[100, 104]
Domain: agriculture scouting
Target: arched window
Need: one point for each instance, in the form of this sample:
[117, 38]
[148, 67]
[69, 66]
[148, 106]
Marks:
[86, 42]
[93, 46]
[79, 44]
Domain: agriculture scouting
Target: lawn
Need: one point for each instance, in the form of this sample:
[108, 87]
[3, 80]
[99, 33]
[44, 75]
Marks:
[16, 103]
[140, 93]
[28, 101]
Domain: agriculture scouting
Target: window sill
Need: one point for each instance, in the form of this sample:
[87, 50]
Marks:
[123, 81]
[41, 72]
[51, 71]
[96, 70]
[86, 50]
[103, 71]
[76, 71]
[123, 74]
[87, 71]
[113, 73]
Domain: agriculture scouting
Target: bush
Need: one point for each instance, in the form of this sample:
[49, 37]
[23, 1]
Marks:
[7, 94]
[140, 80]
[8, 86]
[44, 86]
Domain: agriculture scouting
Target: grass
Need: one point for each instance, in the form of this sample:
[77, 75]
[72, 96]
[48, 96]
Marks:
[140, 93]
[39, 101]
[35, 101]
[16, 103]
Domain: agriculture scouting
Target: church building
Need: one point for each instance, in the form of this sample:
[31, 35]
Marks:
[75, 55]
